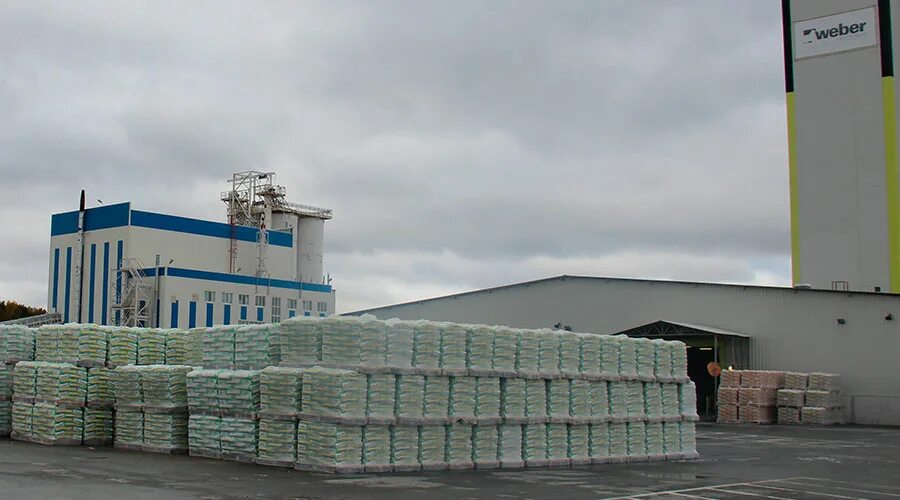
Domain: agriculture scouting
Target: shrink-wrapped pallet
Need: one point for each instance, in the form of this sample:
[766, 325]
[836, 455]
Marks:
[218, 347]
[788, 415]
[46, 343]
[728, 395]
[824, 382]
[332, 392]
[164, 386]
[181, 347]
[459, 446]
[54, 424]
[98, 426]
[579, 444]
[487, 398]
[558, 398]
[618, 440]
[129, 427]
[599, 441]
[569, 353]
[671, 438]
[381, 390]
[687, 399]
[259, 346]
[645, 352]
[662, 360]
[757, 396]
[548, 352]
[436, 402]
[453, 347]
[679, 360]
[654, 440]
[535, 398]
[400, 335]
[99, 388]
[404, 448]
[427, 346]
[590, 355]
[609, 356]
[462, 397]
[618, 399]
[302, 340]
[688, 436]
[730, 378]
[823, 399]
[239, 438]
[335, 446]
[61, 382]
[509, 448]
[410, 397]
[795, 380]
[670, 404]
[627, 357]
[771, 379]
[202, 389]
[480, 348]
[126, 385]
[16, 343]
[484, 446]
[277, 442]
[377, 448]
[599, 402]
[653, 400]
[5, 417]
[506, 350]
[22, 420]
[165, 432]
[340, 341]
[204, 435]
[811, 415]
[634, 399]
[728, 414]
[238, 391]
[757, 414]
[93, 345]
[529, 359]
[280, 390]
[432, 445]
[372, 342]
[6, 382]
[123, 346]
[534, 444]
[67, 345]
[512, 398]
[557, 443]
[636, 437]
[151, 347]
[793, 398]
[579, 398]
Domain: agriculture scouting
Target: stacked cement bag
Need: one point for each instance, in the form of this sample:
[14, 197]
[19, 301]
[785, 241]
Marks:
[823, 400]
[280, 404]
[256, 347]
[224, 414]
[151, 408]
[786, 397]
[16, 344]
[645, 353]
[62, 404]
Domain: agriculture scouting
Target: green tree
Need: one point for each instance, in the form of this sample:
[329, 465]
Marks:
[13, 310]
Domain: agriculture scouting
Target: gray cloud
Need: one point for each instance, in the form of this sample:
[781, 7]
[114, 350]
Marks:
[461, 145]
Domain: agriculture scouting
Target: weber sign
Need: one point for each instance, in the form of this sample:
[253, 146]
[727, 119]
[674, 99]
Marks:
[826, 35]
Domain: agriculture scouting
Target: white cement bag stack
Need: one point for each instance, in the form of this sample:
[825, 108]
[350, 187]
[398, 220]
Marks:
[506, 350]
[427, 347]
[404, 448]
[302, 341]
[558, 399]
[16, 344]
[548, 352]
[280, 403]
[590, 356]
[67, 344]
[436, 402]
[579, 444]
[432, 445]
[670, 402]
[372, 342]
[409, 404]
[679, 361]
[484, 446]
[381, 390]
[151, 346]
[627, 357]
[333, 392]
[645, 352]
[510, 446]
[599, 402]
[47, 343]
[618, 441]
[653, 406]
[400, 343]
[512, 399]
[662, 360]
[340, 341]
[487, 400]
[151, 407]
[609, 356]
[259, 346]
[580, 401]
[123, 346]
[636, 438]
[453, 349]
[599, 442]
[463, 398]
[529, 359]
[218, 347]
[536, 405]
[534, 445]
[376, 452]
[459, 446]
[480, 349]
[569, 354]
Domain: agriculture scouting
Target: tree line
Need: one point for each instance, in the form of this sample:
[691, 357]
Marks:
[10, 309]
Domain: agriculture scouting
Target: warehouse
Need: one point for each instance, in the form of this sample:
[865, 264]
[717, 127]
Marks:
[115, 265]
[855, 334]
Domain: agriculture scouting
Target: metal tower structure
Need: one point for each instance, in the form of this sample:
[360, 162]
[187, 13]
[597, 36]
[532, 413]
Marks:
[137, 297]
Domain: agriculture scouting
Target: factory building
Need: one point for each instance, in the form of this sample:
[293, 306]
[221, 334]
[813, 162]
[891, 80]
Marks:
[842, 138]
[116, 265]
[855, 334]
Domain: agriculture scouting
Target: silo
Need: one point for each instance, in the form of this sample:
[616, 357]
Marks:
[311, 236]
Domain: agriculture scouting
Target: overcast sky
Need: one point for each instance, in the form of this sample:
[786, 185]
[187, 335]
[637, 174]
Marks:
[461, 144]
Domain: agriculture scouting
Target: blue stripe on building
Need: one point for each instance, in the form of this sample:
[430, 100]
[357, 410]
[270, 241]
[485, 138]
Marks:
[237, 278]
[206, 228]
[91, 281]
[259, 314]
[105, 293]
[119, 251]
[68, 283]
[55, 299]
[105, 217]
[243, 313]
[174, 314]
[192, 315]
[226, 310]
[209, 314]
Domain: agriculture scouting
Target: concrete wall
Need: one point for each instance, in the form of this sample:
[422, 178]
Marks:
[790, 329]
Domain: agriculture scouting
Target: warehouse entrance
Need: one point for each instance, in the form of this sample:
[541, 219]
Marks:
[705, 344]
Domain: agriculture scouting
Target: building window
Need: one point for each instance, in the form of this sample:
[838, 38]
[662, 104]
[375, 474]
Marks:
[260, 301]
[209, 296]
[276, 309]
[292, 303]
[307, 305]
[243, 299]
[227, 297]
[322, 307]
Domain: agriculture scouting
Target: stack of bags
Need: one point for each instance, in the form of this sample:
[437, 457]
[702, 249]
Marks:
[791, 399]
[16, 344]
[280, 403]
[151, 408]
[823, 401]
[749, 396]
[184, 347]
[786, 397]
[256, 347]
[61, 404]
[224, 413]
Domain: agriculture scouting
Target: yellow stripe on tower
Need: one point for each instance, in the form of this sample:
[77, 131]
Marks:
[792, 178]
[892, 177]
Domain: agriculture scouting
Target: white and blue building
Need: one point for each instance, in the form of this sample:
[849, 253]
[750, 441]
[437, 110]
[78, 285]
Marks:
[183, 272]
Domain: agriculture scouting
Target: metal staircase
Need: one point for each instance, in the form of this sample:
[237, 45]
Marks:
[135, 301]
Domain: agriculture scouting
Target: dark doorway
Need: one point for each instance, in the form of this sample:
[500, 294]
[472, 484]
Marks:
[698, 359]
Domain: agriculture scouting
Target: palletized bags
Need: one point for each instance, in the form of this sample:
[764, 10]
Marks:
[687, 399]
[151, 346]
[203, 390]
[730, 378]
[410, 397]
[22, 420]
[126, 385]
[280, 390]
[569, 353]
[6, 382]
[599, 441]
[164, 432]
[239, 438]
[670, 400]
[506, 349]
[400, 343]
[558, 398]
[462, 397]
[671, 438]
[535, 398]
[68, 343]
[123, 346]
[679, 359]
[99, 388]
[25, 378]
[61, 382]
[654, 440]
[129, 428]
[5, 417]
[599, 402]
[258, 346]
[645, 352]
[824, 382]
[459, 446]
[204, 435]
[510, 445]
[16, 343]
[92, 344]
[788, 415]
[529, 358]
[727, 395]
[786, 397]
[277, 442]
[487, 398]
[57, 424]
[377, 447]
[340, 341]
[405, 448]
[512, 398]
[165, 386]
[534, 444]
[484, 446]
[432, 446]
[381, 390]
[46, 343]
[372, 342]
[98, 426]
[557, 443]
[823, 399]
[627, 357]
[332, 392]
[548, 352]
[218, 347]
[453, 347]
[634, 398]
[332, 446]
[618, 439]
[579, 398]
[427, 345]
[590, 354]
[796, 381]
[609, 356]
[688, 434]
[238, 392]
[480, 348]
[579, 443]
[662, 360]
[437, 397]
[301, 341]
[637, 439]
[178, 347]
[653, 400]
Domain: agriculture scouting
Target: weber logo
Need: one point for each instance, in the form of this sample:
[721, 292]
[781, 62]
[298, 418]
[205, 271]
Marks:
[837, 33]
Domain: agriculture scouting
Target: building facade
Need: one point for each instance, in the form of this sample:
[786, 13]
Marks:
[127, 266]
[842, 137]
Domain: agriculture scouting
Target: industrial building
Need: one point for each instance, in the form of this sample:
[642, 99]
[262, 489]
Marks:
[855, 334]
[117, 265]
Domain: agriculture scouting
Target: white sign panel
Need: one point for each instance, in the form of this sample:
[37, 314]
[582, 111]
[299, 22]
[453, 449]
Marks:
[826, 35]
